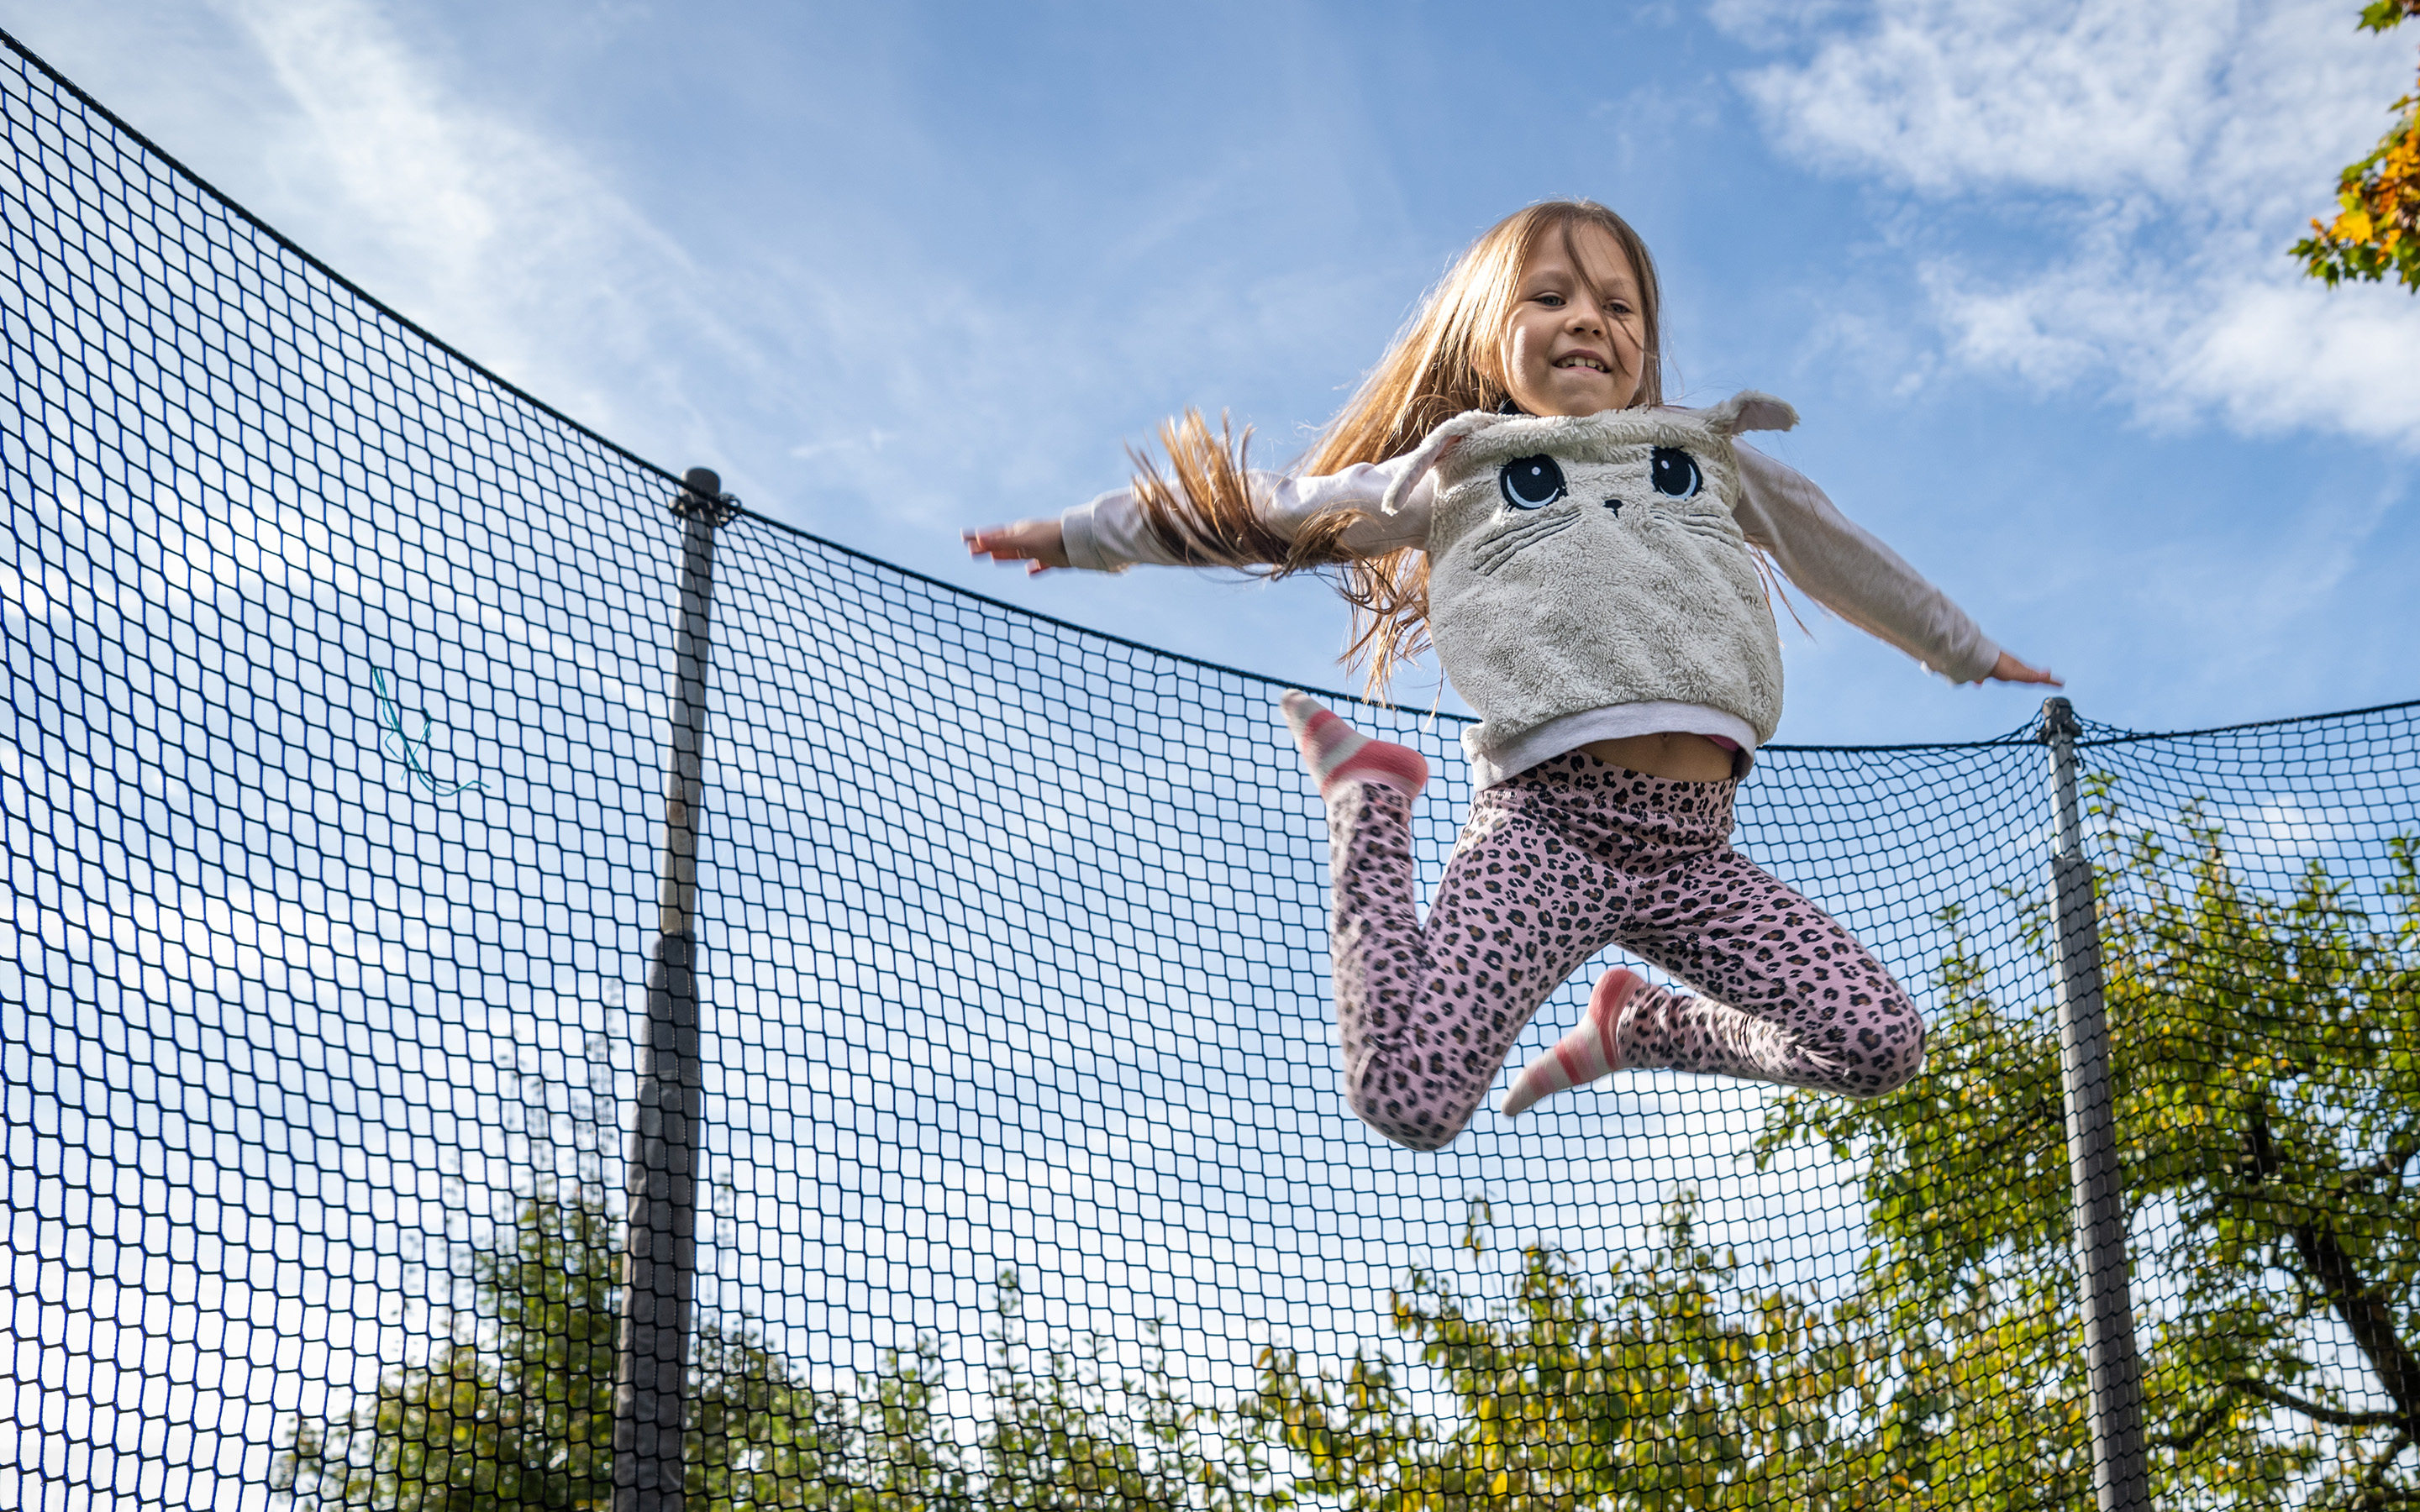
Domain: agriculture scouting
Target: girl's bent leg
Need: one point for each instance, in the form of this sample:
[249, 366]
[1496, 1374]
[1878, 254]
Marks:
[1427, 1014]
[1794, 997]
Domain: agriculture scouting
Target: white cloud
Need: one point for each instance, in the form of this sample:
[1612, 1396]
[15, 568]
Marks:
[2166, 160]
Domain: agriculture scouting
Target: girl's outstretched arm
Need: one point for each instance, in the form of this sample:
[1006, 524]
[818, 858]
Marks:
[1856, 577]
[1112, 532]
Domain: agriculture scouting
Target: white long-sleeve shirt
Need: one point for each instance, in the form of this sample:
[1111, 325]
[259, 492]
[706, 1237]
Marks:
[1830, 558]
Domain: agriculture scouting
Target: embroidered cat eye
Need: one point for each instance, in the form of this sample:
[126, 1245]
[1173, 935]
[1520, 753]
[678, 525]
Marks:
[1532, 482]
[1675, 472]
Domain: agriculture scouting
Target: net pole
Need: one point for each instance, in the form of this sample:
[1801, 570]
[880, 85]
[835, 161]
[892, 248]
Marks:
[667, 1136]
[2119, 1474]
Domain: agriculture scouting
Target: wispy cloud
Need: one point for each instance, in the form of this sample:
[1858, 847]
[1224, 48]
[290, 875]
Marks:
[474, 224]
[808, 356]
[2161, 162]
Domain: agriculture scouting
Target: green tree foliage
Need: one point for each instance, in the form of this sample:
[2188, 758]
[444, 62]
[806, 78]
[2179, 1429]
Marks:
[1674, 1380]
[1069, 1433]
[2376, 233]
[516, 1412]
[2267, 1109]
[520, 1418]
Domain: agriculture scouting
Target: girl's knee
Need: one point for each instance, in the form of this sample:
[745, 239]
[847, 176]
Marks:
[1891, 1046]
[1411, 1122]
[1425, 1138]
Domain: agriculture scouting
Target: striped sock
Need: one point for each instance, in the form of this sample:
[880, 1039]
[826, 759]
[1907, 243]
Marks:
[1337, 753]
[1587, 1053]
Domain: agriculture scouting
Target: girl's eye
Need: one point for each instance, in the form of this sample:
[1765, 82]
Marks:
[1532, 482]
[1675, 473]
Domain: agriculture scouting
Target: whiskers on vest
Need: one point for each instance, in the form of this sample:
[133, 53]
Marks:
[1709, 524]
[1525, 531]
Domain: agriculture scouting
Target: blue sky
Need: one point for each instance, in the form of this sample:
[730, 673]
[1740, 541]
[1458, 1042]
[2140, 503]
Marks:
[900, 270]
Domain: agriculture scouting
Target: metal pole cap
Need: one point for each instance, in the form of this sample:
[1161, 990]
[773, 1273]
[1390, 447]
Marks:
[2058, 718]
[701, 497]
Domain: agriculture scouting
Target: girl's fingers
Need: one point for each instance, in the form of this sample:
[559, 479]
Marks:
[2010, 670]
[1037, 541]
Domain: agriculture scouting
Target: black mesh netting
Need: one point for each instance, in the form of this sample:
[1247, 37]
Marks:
[341, 683]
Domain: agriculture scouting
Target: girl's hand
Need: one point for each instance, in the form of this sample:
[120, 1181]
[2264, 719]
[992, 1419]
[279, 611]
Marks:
[2010, 670]
[1038, 542]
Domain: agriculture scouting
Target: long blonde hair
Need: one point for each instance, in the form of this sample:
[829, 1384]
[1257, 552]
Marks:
[1447, 360]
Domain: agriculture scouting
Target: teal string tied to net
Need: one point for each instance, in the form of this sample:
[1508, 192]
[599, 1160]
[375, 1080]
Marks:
[397, 741]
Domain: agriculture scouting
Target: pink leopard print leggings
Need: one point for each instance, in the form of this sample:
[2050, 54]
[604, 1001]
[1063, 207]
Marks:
[1553, 866]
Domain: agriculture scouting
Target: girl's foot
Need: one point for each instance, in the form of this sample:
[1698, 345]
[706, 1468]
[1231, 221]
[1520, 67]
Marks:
[1338, 754]
[1587, 1053]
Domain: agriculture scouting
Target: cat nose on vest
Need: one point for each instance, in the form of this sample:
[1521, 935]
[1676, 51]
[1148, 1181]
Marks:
[1614, 504]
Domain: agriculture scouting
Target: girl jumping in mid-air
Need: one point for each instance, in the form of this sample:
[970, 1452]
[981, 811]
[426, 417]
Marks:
[1509, 483]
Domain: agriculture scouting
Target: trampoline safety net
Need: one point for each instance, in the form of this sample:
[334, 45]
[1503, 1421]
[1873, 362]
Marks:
[971, 1138]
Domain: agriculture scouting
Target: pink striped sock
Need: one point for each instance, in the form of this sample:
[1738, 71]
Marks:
[1587, 1053]
[1337, 753]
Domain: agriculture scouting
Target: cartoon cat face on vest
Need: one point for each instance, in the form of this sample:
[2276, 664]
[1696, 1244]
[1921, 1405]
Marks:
[1592, 560]
[1507, 483]
[1642, 487]
[1615, 437]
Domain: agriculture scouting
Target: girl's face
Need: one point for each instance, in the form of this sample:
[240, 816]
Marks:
[1576, 342]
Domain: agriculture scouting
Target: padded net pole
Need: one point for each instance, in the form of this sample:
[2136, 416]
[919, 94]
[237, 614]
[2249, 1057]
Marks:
[667, 1138]
[2100, 1216]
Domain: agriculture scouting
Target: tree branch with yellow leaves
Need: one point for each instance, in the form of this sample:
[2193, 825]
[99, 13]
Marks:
[2377, 230]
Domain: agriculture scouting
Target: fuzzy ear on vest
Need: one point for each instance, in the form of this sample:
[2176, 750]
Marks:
[1749, 410]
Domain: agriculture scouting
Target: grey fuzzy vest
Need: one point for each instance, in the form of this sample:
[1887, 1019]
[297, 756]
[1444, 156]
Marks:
[1581, 561]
